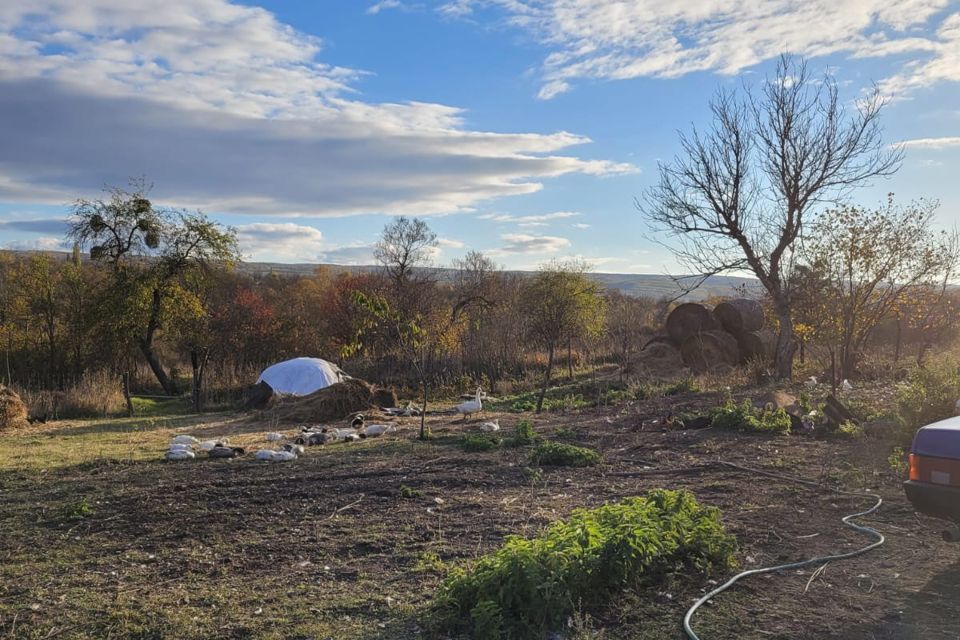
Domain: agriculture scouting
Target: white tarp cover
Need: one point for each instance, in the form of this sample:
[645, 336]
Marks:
[301, 376]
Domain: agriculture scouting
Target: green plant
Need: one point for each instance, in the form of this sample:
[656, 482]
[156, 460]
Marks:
[927, 396]
[850, 430]
[897, 462]
[744, 417]
[530, 587]
[78, 510]
[687, 385]
[410, 492]
[523, 435]
[477, 442]
[564, 455]
[429, 562]
[563, 432]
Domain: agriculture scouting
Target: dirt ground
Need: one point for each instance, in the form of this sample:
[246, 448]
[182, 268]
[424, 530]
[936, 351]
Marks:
[350, 540]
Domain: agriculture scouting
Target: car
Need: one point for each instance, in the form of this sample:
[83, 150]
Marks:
[933, 487]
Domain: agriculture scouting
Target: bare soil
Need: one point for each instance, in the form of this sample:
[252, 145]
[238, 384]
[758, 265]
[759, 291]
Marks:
[350, 540]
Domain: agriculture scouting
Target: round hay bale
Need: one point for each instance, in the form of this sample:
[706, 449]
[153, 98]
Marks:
[661, 339]
[739, 314]
[688, 320]
[13, 413]
[335, 402]
[755, 345]
[661, 359]
[709, 351]
[385, 398]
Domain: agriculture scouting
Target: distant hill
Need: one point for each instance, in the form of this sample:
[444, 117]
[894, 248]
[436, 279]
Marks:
[635, 284]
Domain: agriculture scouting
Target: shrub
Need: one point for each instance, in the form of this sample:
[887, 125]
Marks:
[524, 434]
[850, 430]
[529, 587]
[564, 455]
[477, 442]
[928, 395]
[744, 417]
[687, 385]
[409, 492]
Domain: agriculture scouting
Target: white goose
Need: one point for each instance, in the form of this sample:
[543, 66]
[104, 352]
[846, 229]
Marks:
[470, 407]
[491, 427]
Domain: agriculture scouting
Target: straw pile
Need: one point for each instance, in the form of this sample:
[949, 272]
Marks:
[13, 413]
[328, 404]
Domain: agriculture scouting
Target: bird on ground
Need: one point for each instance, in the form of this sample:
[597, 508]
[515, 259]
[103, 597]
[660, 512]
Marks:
[491, 427]
[470, 407]
[357, 422]
[273, 436]
[374, 430]
[185, 439]
[180, 454]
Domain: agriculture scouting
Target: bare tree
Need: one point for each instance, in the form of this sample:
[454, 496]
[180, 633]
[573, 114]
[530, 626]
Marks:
[739, 196]
[405, 243]
[474, 282]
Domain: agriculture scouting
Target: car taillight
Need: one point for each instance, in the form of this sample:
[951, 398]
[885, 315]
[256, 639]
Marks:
[914, 467]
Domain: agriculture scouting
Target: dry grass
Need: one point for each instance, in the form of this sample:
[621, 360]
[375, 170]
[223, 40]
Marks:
[97, 394]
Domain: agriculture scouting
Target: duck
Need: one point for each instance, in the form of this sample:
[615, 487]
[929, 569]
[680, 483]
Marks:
[179, 446]
[491, 427]
[357, 422]
[180, 454]
[374, 430]
[283, 456]
[223, 451]
[185, 439]
[264, 454]
[470, 407]
[294, 448]
[207, 445]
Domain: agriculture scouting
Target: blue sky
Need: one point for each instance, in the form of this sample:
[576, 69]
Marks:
[522, 128]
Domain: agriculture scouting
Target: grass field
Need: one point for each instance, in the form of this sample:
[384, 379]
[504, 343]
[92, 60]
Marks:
[101, 538]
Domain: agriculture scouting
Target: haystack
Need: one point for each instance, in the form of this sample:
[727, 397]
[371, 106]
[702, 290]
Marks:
[13, 413]
[710, 351]
[690, 319]
[335, 402]
[660, 358]
[740, 314]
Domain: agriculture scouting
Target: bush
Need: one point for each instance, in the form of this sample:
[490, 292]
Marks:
[928, 395]
[850, 430]
[477, 442]
[523, 435]
[744, 417]
[530, 587]
[97, 394]
[564, 455]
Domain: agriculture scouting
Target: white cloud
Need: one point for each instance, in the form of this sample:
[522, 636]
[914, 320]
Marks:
[449, 243]
[523, 243]
[615, 39]
[232, 110]
[377, 7]
[933, 143]
[43, 243]
[283, 241]
[541, 220]
[581, 225]
[354, 254]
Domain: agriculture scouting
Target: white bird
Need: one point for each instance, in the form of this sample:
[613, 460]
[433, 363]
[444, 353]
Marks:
[846, 386]
[811, 381]
[374, 430]
[180, 446]
[184, 439]
[206, 445]
[180, 454]
[352, 437]
[294, 448]
[264, 454]
[283, 456]
[273, 436]
[491, 426]
[470, 407]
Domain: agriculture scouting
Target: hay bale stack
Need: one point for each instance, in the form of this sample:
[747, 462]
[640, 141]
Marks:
[739, 315]
[385, 398]
[335, 402]
[688, 320]
[13, 413]
[661, 339]
[755, 345]
[710, 351]
[660, 358]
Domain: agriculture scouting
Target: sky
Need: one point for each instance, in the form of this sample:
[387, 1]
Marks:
[525, 129]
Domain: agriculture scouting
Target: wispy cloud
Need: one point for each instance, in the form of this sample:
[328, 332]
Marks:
[234, 111]
[945, 142]
[541, 220]
[285, 241]
[615, 40]
[523, 243]
[36, 225]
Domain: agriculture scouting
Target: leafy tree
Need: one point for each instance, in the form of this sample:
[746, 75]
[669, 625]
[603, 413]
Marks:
[865, 265]
[561, 302]
[740, 195]
[149, 251]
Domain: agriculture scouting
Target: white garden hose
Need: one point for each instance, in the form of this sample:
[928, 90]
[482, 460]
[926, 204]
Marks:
[793, 565]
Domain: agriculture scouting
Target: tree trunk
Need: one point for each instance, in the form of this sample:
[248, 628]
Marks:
[146, 347]
[169, 386]
[786, 344]
[423, 412]
[126, 394]
[198, 363]
[546, 380]
[896, 352]
[570, 357]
